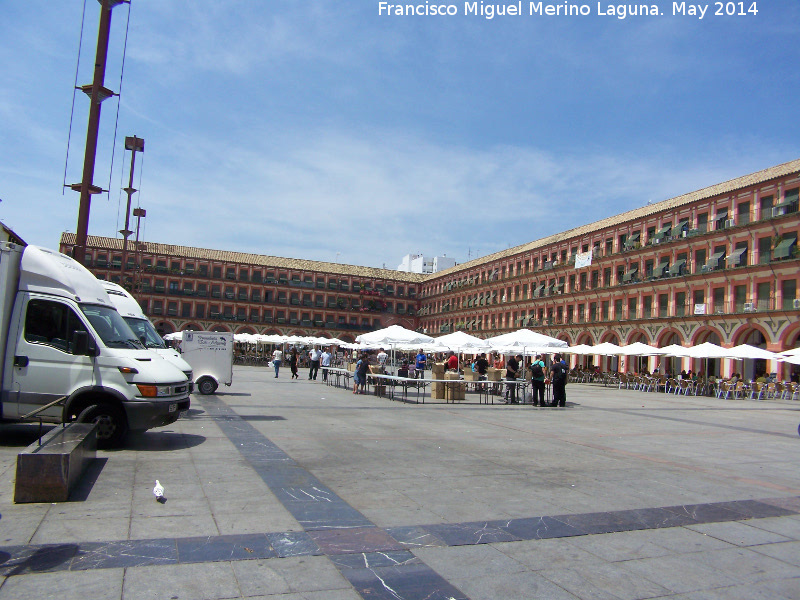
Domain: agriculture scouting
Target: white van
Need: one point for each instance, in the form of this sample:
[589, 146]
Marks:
[211, 355]
[62, 339]
[129, 308]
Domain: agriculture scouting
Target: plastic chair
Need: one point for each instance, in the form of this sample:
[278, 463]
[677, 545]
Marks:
[756, 390]
[724, 390]
[623, 380]
[770, 391]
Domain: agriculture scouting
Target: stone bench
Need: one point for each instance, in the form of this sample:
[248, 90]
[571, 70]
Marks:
[49, 469]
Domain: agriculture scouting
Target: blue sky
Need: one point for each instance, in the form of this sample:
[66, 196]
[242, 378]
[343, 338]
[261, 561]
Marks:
[322, 130]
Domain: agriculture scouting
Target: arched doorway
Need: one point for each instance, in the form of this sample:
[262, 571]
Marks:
[641, 364]
[707, 367]
[752, 369]
[610, 363]
[584, 361]
[672, 365]
[164, 327]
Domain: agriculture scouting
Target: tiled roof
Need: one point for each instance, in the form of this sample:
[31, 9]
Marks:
[636, 214]
[243, 258]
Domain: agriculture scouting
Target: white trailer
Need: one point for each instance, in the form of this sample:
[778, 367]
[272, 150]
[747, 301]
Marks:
[210, 354]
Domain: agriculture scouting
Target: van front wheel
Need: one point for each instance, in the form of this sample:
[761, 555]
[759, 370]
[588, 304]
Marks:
[112, 426]
[206, 386]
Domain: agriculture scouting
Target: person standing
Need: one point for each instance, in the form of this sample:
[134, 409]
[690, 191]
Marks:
[481, 366]
[293, 363]
[313, 358]
[360, 375]
[277, 357]
[419, 364]
[558, 375]
[325, 361]
[382, 356]
[512, 368]
[452, 362]
[537, 381]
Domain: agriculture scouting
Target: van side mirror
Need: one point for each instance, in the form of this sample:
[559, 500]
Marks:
[82, 345]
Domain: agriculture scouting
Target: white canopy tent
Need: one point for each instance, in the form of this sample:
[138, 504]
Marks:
[606, 349]
[526, 342]
[460, 341]
[746, 351]
[395, 337]
[640, 349]
[579, 349]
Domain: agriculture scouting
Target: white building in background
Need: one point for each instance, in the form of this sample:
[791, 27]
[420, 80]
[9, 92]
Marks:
[417, 263]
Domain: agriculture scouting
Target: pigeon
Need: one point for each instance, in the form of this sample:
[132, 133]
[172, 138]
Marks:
[158, 492]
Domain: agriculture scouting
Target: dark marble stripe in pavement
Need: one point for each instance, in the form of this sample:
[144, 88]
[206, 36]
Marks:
[372, 547]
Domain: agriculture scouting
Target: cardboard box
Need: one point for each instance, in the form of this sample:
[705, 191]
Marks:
[455, 391]
[437, 370]
[493, 374]
[470, 375]
[376, 369]
[380, 390]
[437, 391]
[450, 375]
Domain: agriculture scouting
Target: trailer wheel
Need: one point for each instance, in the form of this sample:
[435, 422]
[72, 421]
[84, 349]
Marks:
[206, 386]
[112, 425]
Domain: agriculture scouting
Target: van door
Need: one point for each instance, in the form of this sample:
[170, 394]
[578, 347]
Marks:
[45, 369]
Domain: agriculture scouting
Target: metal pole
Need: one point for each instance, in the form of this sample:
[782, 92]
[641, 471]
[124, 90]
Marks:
[97, 93]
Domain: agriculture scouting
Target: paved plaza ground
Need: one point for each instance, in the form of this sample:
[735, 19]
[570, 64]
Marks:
[295, 490]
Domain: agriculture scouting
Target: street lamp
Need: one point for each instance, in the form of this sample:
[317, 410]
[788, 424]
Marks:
[139, 213]
[134, 144]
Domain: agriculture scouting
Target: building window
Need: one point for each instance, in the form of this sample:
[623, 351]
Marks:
[739, 297]
[216, 272]
[763, 296]
[680, 304]
[789, 294]
[200, 311]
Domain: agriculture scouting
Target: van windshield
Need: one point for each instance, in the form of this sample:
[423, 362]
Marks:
[146, 333]
[111, 327]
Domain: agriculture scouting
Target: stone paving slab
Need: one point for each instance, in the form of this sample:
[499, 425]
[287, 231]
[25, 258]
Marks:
[293, 489]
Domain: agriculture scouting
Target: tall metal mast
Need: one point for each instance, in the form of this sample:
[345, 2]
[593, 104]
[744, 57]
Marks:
[97, 93]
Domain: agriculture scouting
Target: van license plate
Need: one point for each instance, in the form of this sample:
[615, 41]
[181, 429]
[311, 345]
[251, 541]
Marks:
[173, 407]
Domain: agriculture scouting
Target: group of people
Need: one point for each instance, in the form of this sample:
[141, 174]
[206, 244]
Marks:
[538, 371]
[316, 358]
[539, 376]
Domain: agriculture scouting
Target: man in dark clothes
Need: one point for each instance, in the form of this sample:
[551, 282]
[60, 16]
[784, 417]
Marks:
[481, 366]
[537, 381]
[512, 368]
[558, 376]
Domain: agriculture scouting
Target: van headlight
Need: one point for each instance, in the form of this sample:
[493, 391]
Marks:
[154, 391]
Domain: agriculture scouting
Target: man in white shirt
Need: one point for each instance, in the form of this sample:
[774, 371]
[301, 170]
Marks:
[277, 357]
[314, 357]
[325, 362]
[382, 356]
